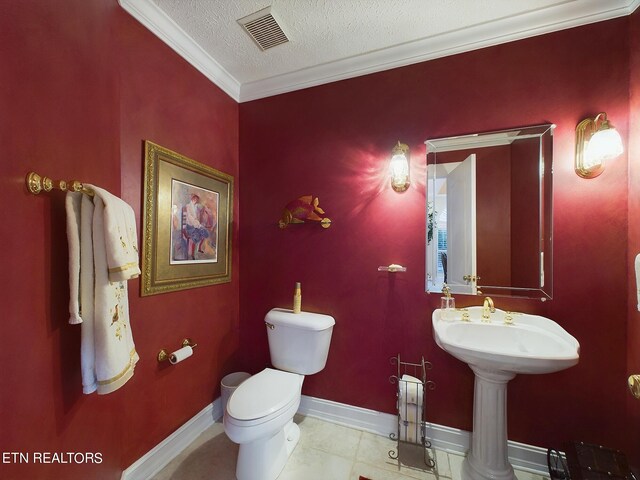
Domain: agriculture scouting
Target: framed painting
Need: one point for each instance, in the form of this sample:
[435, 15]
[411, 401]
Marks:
[187, 223]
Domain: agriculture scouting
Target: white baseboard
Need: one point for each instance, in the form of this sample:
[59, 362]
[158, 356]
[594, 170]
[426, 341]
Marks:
[159, 456]
[452, 440]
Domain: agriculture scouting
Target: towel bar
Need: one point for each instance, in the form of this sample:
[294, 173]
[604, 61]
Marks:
[36, 184]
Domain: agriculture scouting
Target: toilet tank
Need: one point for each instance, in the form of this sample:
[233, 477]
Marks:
[298, 342]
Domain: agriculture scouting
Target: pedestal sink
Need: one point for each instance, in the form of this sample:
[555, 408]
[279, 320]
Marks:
[497, 350]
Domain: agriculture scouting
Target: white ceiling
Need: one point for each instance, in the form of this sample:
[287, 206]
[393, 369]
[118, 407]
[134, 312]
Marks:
[336, 39]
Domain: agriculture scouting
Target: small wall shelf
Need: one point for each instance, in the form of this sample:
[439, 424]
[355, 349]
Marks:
[393, 268]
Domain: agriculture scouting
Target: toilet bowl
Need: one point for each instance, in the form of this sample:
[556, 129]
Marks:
[259, 417]
[259, 413]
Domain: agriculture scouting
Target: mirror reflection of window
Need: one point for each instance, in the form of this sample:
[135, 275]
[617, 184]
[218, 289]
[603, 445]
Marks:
[442, 247]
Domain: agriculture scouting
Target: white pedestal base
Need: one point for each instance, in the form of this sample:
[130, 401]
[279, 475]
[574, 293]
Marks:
[487, 458]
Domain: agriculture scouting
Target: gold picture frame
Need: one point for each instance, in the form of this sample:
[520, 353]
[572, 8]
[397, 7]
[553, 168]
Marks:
[188, 210]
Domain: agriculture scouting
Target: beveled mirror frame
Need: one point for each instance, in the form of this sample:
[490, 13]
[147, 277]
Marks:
[512, 173]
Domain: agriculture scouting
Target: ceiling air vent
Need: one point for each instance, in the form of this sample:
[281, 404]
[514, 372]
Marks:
[264, 29]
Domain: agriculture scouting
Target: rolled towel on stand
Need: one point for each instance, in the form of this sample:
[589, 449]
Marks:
[410, 397]
[410, 390]
[410, 432]
[410, 412]
[411, 407]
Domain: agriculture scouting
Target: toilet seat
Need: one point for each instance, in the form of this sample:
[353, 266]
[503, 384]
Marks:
[261, 396]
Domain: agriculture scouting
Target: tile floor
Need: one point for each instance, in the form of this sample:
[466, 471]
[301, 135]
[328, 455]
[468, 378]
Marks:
[326, 451]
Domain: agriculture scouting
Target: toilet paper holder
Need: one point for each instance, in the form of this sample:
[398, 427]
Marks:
[163, 355]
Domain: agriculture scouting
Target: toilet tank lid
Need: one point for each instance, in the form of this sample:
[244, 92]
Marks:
[303, 320]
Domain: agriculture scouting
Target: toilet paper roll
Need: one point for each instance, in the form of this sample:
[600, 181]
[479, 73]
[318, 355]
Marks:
[180, 355]
[410, 390]
[410, 432]
[410, 412]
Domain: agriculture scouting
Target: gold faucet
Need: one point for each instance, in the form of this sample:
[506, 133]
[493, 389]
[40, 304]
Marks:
[487, 309]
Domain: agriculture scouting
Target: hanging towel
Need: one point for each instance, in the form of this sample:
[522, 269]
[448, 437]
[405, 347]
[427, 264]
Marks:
[121, 239]
[115, 353]
[87, 297]
[107, 350]
[72, 207]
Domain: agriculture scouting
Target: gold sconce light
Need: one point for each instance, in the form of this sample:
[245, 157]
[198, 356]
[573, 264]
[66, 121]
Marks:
[399, 167]
[596, 141]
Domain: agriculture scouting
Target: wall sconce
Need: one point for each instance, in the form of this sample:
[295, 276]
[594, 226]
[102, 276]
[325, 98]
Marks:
[399, 167]
[596, 141]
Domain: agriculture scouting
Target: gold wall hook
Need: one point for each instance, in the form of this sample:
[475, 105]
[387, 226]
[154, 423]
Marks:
[37, 184]
[634, 385]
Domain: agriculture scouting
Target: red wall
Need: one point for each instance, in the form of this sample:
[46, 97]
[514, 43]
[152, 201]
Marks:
[493, 221]
[525, 231]
[633, 329]
[334, 141]
[82, 87]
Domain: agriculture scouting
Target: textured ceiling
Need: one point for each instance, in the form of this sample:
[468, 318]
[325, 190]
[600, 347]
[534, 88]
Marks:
[324, 31]
[333, 39]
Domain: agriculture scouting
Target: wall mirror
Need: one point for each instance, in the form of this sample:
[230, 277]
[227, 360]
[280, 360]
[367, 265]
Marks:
[489, 213]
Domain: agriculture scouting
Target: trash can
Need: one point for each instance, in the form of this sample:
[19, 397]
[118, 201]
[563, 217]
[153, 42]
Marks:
[228, 384]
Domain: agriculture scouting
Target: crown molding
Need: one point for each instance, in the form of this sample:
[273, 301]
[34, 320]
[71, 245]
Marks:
[161, 25]
[528, 24]
[501, 31]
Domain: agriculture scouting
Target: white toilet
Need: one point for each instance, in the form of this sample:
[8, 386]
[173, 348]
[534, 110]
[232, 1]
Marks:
[259, 413]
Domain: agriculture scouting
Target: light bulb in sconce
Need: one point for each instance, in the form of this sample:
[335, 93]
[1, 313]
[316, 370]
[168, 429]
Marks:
[596, 142]
[605, 144]
[399, 167]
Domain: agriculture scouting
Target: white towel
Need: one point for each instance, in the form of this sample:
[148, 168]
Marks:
[72, 207]
[115, 352]
[121, 239]
[107, 351]
[410, 390]
[87, 297]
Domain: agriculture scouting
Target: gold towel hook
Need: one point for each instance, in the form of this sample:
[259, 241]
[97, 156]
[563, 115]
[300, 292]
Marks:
[37, 184]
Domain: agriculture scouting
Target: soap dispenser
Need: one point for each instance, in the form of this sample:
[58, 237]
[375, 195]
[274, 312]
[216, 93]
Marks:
[447, 303]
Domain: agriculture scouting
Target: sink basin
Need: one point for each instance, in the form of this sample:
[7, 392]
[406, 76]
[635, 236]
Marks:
[497, 352]
[531, 344]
